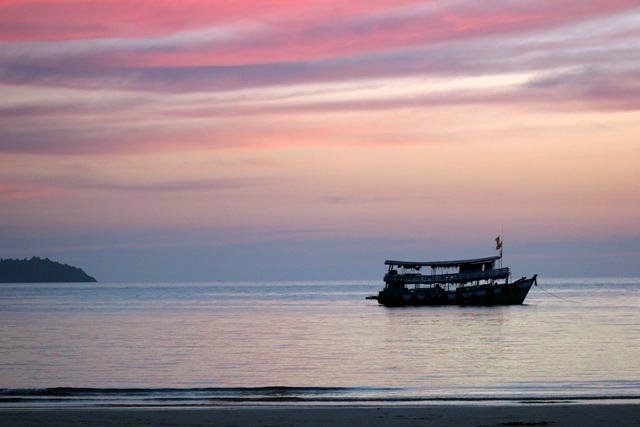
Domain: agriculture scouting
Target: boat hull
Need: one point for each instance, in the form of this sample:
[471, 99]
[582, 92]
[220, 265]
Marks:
[503, 294]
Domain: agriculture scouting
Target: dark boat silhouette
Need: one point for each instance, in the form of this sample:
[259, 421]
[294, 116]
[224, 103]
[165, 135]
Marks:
[460, 282]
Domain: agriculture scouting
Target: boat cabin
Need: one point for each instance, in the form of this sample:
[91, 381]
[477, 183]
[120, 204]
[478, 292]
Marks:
[456, 273]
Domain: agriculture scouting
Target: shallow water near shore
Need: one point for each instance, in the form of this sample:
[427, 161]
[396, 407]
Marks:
[269, 342]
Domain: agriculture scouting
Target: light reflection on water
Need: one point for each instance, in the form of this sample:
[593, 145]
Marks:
[320, 334]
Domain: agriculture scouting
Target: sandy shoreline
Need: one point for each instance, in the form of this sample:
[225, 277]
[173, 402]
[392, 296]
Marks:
[481, 416]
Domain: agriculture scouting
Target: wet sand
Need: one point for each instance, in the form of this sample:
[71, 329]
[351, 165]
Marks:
[481, 416]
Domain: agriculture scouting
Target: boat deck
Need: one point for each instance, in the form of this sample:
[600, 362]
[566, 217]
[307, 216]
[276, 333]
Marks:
[498, 273]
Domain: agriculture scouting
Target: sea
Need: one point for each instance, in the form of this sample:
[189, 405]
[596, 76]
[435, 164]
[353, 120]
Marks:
[312, 342]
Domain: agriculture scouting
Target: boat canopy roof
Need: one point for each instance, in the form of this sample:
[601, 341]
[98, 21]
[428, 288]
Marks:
[454, 263]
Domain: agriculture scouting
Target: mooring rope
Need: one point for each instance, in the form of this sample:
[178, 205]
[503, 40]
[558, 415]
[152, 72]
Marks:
[556, 296]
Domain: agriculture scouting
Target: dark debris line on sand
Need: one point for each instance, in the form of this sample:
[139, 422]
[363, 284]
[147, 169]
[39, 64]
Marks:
[580, 415]
[525, 423]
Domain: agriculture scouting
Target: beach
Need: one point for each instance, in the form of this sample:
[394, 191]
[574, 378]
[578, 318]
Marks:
[583, 415]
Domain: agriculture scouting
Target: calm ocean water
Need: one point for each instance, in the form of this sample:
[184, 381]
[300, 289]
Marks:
[215, 343]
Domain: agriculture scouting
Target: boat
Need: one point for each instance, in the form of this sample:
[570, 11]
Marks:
[479, 281]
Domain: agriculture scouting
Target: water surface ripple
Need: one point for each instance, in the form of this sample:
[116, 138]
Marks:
[319, 341]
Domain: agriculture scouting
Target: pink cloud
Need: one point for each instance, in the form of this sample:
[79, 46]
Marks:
[29, 20]
[137, 49]
[297, 42]
[277, 31]
[29, 129]
[18, 192]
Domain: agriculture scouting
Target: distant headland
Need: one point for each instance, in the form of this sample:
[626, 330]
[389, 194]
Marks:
[36, 269]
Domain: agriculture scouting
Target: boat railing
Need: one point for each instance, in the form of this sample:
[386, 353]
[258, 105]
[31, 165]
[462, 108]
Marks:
[497, 273]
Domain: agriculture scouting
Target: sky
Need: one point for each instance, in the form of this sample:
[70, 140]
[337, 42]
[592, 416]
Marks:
[279, 140]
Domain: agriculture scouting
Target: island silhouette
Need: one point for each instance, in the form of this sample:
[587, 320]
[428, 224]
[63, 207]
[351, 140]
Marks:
[35, 269]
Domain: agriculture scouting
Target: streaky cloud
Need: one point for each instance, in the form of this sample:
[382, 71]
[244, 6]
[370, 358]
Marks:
[270, 41]
[554, 50]
[49, 183]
